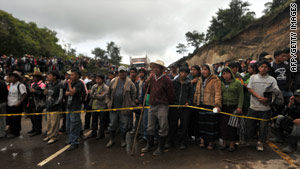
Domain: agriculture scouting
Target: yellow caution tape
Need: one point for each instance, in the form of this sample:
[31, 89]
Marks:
[281, 154]
[136, 108]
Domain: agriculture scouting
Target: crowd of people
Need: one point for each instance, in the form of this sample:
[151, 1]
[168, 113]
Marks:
[29, 64]
[262, 88]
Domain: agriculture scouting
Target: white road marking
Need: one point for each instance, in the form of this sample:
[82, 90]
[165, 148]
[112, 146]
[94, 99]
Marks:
[53, 156]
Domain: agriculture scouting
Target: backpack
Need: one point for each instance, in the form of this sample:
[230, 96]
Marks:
[25, 102]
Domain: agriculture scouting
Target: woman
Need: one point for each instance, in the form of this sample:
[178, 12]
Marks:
[208, 95]
[232, 101]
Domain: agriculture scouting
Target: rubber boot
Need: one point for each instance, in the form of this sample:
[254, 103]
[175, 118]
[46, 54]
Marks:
[111, 141]
[278, 138]
[123, 142]
[150, 141]
[293, 143]
[160, 147]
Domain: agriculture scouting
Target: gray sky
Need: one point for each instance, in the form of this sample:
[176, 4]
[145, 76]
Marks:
[139, 27]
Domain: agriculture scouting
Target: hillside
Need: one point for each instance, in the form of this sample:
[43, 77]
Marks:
[266, 34]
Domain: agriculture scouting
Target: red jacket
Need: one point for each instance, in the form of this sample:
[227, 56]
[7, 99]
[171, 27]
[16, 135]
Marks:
[161, 91]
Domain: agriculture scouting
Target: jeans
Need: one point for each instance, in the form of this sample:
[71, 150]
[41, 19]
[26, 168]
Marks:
[125, 122]
[145, 122]
[158, 113]
[104, 121]
[73, 127]
[263, 125]
[2, 119]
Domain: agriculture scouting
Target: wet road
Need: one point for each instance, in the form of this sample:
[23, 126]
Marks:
[26, 152]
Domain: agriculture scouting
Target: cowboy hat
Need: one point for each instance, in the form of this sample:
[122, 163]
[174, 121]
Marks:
[268, 57]
[157, 62]
[38, 74]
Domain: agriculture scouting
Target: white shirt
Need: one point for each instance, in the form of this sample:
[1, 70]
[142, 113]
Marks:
[86, 80]
[259, 84]
[14, 95]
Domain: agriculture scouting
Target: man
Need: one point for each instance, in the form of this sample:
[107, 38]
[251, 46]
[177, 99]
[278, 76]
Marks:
[133, 75]
[121, 94]
[87, 79]
[97, 102]
[37, 103]
[260, 102]
[54, 96]
[161, 95]
[3, 101]
[65, 98]
[269, 58]
[174, 72]
[289, 124]
[142, 74]
[17, 95]
[89, 85]
[184, 94]
[75, 93]
[281, 72]
[296, 75]
[110, 77]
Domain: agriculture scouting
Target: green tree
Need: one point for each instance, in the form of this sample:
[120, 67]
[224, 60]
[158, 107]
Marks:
[229, 22]
[271, 6]
[113, 52]
[195, 38]
[19, 38]
[181, 48]
[100, 53]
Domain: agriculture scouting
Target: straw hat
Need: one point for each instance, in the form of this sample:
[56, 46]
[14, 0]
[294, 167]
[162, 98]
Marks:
[157, 62]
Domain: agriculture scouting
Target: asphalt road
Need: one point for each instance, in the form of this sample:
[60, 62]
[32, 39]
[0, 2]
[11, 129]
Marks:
[26, 152]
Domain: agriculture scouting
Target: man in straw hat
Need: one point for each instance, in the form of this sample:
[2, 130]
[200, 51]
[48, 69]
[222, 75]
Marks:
[161, 95]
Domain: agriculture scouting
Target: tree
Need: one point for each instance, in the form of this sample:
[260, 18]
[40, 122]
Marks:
[100, 53]
[229, 22]
[19, 38]
[195, 38]
[113, 52]
[181, 48]
[271, 6]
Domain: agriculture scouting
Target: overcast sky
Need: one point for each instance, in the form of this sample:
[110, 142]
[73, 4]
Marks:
[139, 27]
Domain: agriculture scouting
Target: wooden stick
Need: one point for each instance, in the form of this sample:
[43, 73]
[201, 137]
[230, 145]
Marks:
[140, 119]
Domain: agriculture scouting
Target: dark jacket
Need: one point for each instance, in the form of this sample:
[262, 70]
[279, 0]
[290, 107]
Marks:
[184, 93]
[38, 98]
[294, 111]
[4, 92]
[55, 96]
